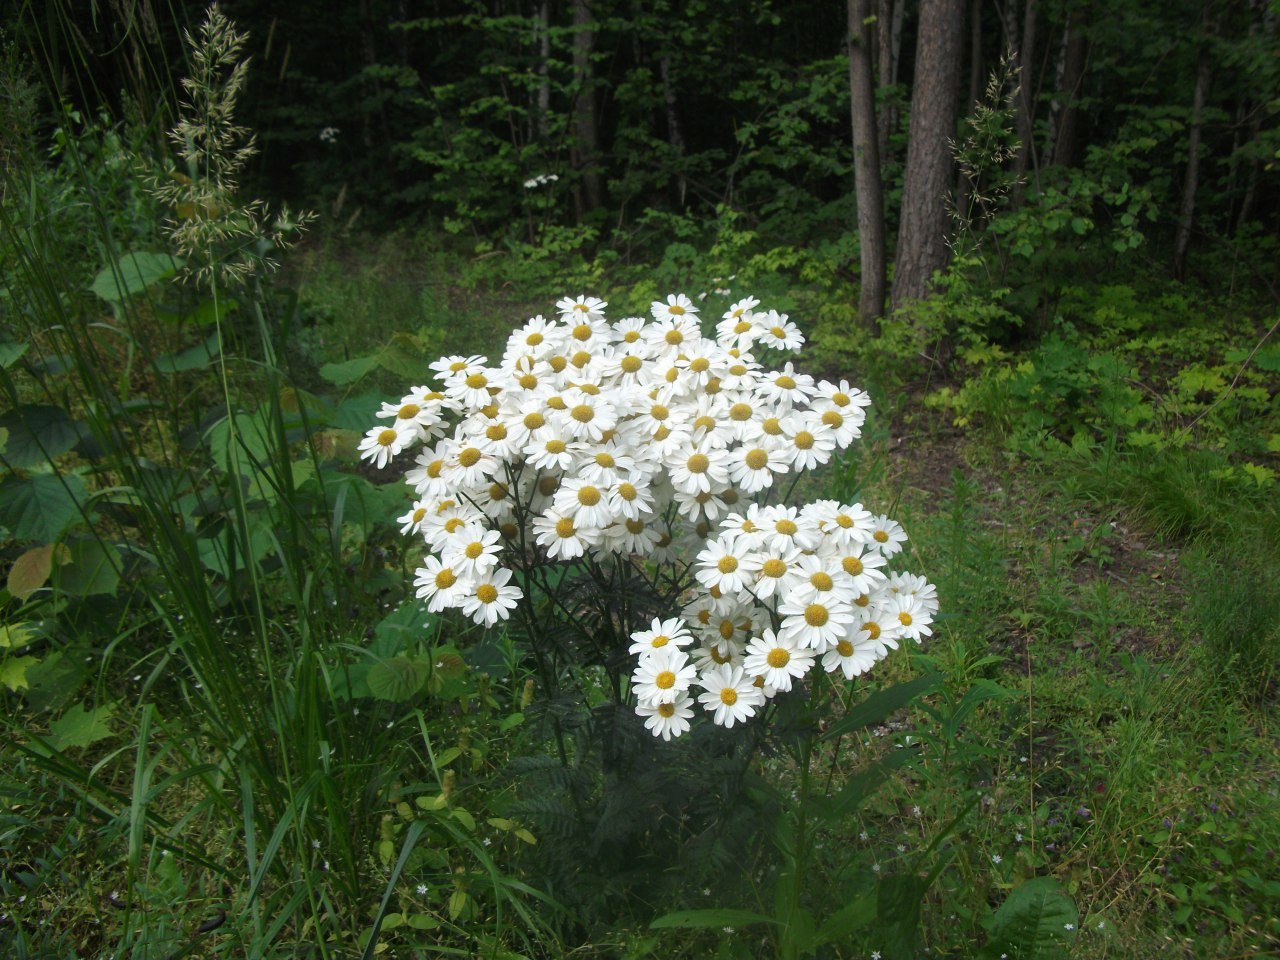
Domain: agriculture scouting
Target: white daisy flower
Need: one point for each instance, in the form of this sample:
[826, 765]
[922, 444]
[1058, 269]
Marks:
[661, 676]
[777, 660]
[730, 696]
[810, 443]
[700, 469]
[448, 367]
[817, 622]
[771, 570]
[382, 443]
[492, 598]
[560, 536]
[752, 468]
[678, 306]
[864, 567]
[777, 331]
[912, 615]
[849, 658]
[472, 551]
[661, 633]
[584, 502]
[720, 565]
[887, 536]
[667, 720]
[576, 309]
[440, 585]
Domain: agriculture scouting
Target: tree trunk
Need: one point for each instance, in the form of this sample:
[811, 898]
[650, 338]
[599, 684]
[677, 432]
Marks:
[1026, 100]
[1191, 181]
[588, 147]
[1064, 147]
[542, 111]
[889, 36]
[975, 90]
[675, 136]
[866, 165]
[922, 231]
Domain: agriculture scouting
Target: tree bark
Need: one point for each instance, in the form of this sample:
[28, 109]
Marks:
[588, 148]
[542, 111]
[923, 227]
[1026, 100]
[889, 38]
[1064, 147]
[1191, 180]
[866, 165]
[675, 136]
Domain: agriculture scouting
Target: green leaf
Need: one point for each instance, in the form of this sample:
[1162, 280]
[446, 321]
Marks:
[898, 915]
[702, 919]
[239, 441]
[399, 678]
[209, 312]
[225, 558]
[40, 507]
[879, 706]
[14, 635]
[853, 916]
[55, 680]
[13, 672]
[357, 413]
[1033, 923]
[133, 273]
[79, 727]
[341, 374]
[859, 787]
[192, 358]
[11, 352]
[30, 571]
[37, 434]
[92, 569]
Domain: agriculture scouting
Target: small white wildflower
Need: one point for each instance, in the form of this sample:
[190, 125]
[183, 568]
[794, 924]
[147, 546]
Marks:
[863, 836]
[422, 889]
[915, 811]
[1068, 926]
[996, 858]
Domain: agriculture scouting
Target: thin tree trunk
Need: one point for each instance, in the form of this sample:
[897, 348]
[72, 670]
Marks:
[923, 227]
[975, 89]
[866, 165]
[1073, 67]
[1026, 100]
[542, 112]
[588, 152]
[1251, 180]
[1191, 180]
[675, 136]
[885, 65]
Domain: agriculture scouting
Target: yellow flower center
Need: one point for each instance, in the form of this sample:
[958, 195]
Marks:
[497, 491]
[662, 433]
[477, 381]
[486, 593]
[698, 463]
[863, 600]
[773, 567]
[786, 527]
[635, 526]
[469, 457]
[778, 332]
[727, 630]
[833, 419]
[844, 520]
[558, 363]
[756, 459]
[785, 382]
[821, 580]
[873, 629]
[605, 460]
[454, 524]
[881, 536]
[408, 411]
[676, 309]
[631, 364]
[509, 530]
[434, 468]
[699, 364]
[547, 486]
[659, 412]
[742, 326]
[582, 413]
[580, 359]
[740, 412]
[582, 332]
[528, 381]
[804, 440]
[727, 564]
[565, 528]
[772, 426]
[904, 618]
[778, 658]
[533, 339]
[667, 709]
[852, 566]
[534, 420]
[495, 431]
[556, 403]
[627, 491]
[387, 437]
[665, 680]
[844, 648]
[555, 446]
[631, 336]
[661, 640]
[704, 422]
[419, 514]
[474, 549]
[728, 696]
[457, 366]
[816, 615]
[588, 496]
[674, 337]
[840, 399]
[445, 578]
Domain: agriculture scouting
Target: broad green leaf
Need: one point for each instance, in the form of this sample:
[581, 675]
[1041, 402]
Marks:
[859, 787]
[357, 413]
[1034, 923]
[226, 557]
[856, 914]
[40, 507]
[92, 569]
[898, 915]
[240, 441]
[30, 571]
[37, 434]
[192, 358]
[133, 273]
[55, 680]
[13, 672]
[408, 622]
[398, 678]
[15, 635]
[349, 371]
[79, 727]
[209, 312]
[879, 706]
[11, 352]
[709, 918]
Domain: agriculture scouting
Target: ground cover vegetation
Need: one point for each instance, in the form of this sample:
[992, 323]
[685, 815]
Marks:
[240, 714]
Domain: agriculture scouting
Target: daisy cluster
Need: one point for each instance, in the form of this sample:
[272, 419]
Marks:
[643, 438]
